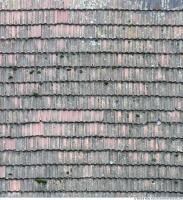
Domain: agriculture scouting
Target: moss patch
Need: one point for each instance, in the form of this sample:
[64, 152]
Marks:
[41, 181]
[35, 94]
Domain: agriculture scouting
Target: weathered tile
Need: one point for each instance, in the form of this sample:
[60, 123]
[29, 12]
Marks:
[91, 98]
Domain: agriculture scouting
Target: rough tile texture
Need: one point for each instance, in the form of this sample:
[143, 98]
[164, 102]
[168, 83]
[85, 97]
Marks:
[91, 98]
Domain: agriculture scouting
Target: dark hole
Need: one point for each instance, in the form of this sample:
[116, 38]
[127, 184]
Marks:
[176, 182]
[38, 72]
[62, 55]
[10, 77]
[127, 116]
[137, 115]
[81, 71]
[14, 68]
[153, 159]
[106, 83]
[67, 172]
[68, 69]
[35, 94]
[128, 42]
[31, 72]
[176, 155]
[153, 181]
[117, 101]
[10, 174]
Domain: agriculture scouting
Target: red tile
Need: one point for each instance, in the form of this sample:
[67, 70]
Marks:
[2, 171]
[10, 144]
[35, 31]
[61, 16]
[15, 185]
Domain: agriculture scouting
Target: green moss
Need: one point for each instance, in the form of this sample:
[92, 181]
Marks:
[41, 181]
[153, 159]
[35, 94]
[31, 72]
[61, 55]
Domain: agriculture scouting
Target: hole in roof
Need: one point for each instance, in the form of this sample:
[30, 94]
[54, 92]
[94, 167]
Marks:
[31, 72]
[106, 83]
[14, 68]
[68, 69]
[80, 71]
[137, 115]
[10, 77]
[176, 182]
[10, 174]
[176, 155]
[62, 55]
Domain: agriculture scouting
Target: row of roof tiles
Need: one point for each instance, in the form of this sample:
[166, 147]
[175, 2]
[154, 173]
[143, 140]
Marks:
[90, 144]
[91, 103]
[92, 59]
[91, 17]
[24, 116]
[92, 194]
[93, 4]
[95, 171]
[78, 45]
[102, 157]
[90, 184]
[91, 31]
[92, 130]
[60, 74]
[99, 88]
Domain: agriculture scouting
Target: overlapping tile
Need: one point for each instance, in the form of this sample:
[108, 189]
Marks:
[91, 98]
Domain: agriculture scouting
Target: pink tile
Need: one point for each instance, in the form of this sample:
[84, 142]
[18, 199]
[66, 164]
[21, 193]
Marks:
[17, 102]
[1, 59]
[35, 31]
[67, 3]
[145, 129]
[2, 171]
[142, 88]
[16, 17]
[174, 116]
[87, 171]
[91, 128]
[10, 144]
[61, 16]
[120, 59]
[14, 185]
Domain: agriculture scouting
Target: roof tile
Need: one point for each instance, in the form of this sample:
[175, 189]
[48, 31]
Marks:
[91, 98]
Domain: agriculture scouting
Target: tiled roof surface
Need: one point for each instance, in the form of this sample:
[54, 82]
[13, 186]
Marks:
[91, 98]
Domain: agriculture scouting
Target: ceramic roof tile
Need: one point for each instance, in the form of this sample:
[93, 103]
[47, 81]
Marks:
[91, 98]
